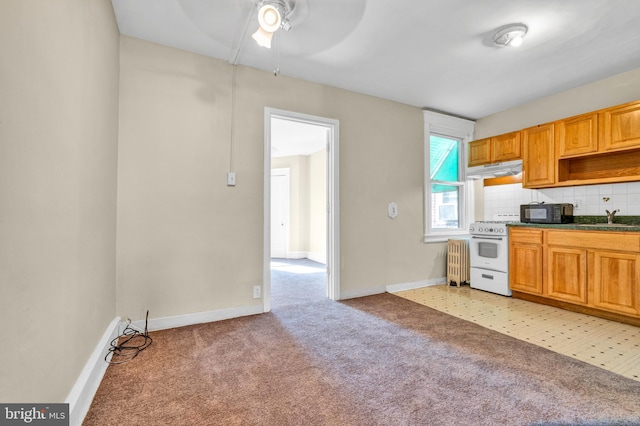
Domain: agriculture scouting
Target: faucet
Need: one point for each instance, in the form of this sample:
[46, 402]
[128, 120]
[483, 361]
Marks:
[611, 215]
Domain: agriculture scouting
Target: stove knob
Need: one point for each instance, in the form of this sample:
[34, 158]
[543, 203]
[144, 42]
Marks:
[490, 229]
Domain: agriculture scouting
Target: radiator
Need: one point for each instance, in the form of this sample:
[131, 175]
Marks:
[458, 262]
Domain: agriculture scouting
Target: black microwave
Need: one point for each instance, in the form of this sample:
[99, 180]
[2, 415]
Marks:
[546, 213]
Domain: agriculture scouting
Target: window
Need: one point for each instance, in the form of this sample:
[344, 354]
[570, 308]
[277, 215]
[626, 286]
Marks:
[447, 196]
[444, 173]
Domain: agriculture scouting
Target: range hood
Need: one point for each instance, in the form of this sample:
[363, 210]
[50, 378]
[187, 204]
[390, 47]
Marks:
[507, 168]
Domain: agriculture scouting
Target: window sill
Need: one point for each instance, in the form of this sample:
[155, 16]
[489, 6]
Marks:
[443, 238]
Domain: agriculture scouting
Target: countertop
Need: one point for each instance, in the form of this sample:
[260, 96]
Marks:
[591, 223]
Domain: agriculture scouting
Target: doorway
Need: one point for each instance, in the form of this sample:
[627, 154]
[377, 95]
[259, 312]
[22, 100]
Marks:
[328, 148]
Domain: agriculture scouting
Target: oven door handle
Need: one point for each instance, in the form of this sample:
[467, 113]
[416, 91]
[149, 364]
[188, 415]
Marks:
[488, 238]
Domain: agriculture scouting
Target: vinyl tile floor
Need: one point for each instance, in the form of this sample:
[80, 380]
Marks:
[600, 342]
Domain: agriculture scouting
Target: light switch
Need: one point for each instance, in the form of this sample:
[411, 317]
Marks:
[393, 210]
[231, 179]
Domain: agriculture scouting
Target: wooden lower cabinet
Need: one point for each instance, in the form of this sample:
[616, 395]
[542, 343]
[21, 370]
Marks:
[597, 272]
[525, 268]
[567, 274]
[525, 260]
[616, 281]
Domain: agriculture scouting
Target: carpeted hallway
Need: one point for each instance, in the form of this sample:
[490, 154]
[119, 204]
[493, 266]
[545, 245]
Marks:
[296, 282]
[378, 360]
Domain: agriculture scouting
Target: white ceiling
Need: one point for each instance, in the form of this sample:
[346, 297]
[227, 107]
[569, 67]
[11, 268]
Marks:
[435, 54]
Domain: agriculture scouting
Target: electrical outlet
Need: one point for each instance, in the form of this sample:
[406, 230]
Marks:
[257, 292]
[577, 204]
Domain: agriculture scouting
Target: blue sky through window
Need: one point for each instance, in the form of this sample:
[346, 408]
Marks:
[443, 154]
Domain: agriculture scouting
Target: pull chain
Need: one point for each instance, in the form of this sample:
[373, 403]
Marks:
[276, 70]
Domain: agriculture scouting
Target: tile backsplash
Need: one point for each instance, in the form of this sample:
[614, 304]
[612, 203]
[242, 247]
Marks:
[588, 200]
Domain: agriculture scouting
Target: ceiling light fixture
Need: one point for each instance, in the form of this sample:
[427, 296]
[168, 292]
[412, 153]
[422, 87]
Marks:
[511, 35]
[272, 15]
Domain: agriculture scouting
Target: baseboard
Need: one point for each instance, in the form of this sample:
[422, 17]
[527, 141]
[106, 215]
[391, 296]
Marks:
[297, 254]
[393, 288]
[83, 391]
[198, 318]
[316, 257]
[352, 294]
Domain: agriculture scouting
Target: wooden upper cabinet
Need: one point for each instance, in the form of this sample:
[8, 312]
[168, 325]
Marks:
[597, 147]
[480, 152]
[539, 156]
[620, 127]
[496, 149]
[577, 135]
[506, 147]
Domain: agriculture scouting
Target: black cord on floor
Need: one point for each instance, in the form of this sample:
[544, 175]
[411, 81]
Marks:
[129, 344]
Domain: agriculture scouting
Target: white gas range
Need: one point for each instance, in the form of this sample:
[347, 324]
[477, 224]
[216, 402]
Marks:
[489, 254]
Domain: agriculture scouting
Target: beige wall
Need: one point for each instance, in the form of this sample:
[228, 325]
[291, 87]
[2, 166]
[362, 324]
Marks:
[188, 243]
[58, 151]
[611, 91]
[318, 205]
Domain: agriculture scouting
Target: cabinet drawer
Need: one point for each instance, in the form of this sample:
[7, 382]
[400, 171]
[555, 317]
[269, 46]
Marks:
[591, 239]
[527, 236]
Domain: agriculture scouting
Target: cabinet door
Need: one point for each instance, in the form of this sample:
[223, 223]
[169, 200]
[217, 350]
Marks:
[525, 268]
[616, 282]
[621, 127]
[539, 157]
[577, 135]
[567, 274]
[506, 147]
[480, 152]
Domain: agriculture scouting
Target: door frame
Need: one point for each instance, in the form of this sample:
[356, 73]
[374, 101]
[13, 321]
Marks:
[333, 216]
